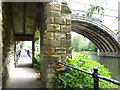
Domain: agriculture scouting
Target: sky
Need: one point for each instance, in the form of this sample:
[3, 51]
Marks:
[111, 9]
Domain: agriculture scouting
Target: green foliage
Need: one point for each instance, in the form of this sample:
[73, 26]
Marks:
[91, 46]
[79, 44]
[118, 18]
[77, 79]
[75, 43]
[37, 61]
[95, 9]
[22, 44]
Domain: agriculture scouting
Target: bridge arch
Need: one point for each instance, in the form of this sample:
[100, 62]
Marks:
[99, 34]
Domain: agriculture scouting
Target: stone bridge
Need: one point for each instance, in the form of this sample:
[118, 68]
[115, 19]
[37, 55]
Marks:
[48, 26]
[99, 34]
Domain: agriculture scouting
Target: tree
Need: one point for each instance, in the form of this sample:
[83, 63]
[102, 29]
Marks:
[75, 43]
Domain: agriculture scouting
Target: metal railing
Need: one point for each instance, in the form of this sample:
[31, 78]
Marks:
[94, 74]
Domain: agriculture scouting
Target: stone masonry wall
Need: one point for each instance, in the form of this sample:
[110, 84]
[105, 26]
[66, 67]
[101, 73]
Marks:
[1, 44]
[8, 41]
[56, 40]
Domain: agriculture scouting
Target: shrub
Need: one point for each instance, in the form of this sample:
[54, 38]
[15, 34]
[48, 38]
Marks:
[77, 79]
[37, 60]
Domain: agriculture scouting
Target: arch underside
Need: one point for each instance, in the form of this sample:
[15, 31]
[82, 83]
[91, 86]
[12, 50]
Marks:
[105, 41]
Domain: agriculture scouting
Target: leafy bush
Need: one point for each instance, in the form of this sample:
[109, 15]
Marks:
[37, 62]
[77, 79]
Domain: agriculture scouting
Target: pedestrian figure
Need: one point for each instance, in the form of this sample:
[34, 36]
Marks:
[28, 53]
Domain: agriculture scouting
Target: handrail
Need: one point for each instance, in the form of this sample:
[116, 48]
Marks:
[95, 75]
[90, 73]
[109, 80]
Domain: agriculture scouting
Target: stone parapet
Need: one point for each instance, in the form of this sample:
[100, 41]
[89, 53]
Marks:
[110, 54]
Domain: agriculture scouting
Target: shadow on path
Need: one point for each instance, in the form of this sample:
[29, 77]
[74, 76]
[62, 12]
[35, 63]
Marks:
[24, 76]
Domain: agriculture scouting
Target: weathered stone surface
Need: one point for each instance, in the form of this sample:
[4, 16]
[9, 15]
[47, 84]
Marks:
[65, 9]
[50, 51]
[63, 58]
[65, 42]
[55, 41]
[49, 20]
[59, 35]
[68, 36]
[67, 16]
[60, 50]
[53, 27]
[52, 42]
[49, 35]
[69, 50]
[0, 37]
[60, 20]
[68, 21]
[54, 13]
[65, 28]
[54, 6]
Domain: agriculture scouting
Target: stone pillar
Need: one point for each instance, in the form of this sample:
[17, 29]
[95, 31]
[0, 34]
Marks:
[119, 21]
[56, 41]
[1, 45]
[36, 46]
[37, 42]
[8, 42]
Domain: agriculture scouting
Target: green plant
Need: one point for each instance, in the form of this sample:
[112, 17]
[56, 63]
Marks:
[79, 44]
[22, 44]
[37, 60]
[77, 79]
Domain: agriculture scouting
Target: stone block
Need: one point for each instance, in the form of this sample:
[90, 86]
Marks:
[63, 58]
[65, 9]
[53, 27]
[59, 35]
[0, 82]
[69, 50]
[60, 20]
[52, 43]
[54, 58]
[65, 42]
[61, 50]
[49, 35]
[68, 35]
[50, 51]
[65, 28]
[68, 21]
[54, 6]
[67, 16]
[55, 43]
[0, 37]
[50, 20]
[54, 13]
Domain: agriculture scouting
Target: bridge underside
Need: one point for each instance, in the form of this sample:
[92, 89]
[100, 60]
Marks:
[106, 42]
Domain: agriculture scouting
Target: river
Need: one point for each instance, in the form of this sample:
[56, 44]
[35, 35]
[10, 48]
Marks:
[111, 63]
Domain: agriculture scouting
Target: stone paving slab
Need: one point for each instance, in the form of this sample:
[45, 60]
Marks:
[24, 76]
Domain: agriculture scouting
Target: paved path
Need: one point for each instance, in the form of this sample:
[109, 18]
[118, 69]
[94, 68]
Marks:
[24, 76]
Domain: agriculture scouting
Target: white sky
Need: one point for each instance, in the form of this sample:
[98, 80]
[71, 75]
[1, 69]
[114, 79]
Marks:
[110, 22]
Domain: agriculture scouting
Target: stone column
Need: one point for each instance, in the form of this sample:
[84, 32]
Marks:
[119, 21]
[37, 42]
[36, 45]
[56, 41]
[1, 45]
